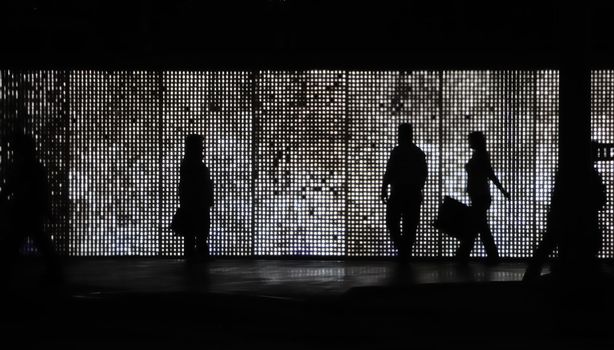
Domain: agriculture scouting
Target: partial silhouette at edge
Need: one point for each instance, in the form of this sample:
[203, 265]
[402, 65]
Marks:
[578, 252]
[26, 207]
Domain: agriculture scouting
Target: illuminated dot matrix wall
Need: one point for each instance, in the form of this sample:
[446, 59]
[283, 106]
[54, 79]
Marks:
[37, 102]
[301, 171]
[377, 103]
[602, 130]
[297, 157]
[217, 105]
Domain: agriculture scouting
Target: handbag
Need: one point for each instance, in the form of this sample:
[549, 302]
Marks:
[455, 219]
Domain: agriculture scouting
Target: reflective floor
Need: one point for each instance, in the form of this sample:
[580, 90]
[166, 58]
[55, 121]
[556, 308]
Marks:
[275, 278]
[302, 304]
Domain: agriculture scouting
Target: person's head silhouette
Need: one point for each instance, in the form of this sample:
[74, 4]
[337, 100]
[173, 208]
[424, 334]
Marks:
[406, 134]
[194, 147]
[477, 141]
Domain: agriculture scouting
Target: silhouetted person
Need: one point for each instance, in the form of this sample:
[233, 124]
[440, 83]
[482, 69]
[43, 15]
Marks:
[195, 199]
[406, 173]
[587, 243]
[479, 172]
[27, 206]
[554, 220]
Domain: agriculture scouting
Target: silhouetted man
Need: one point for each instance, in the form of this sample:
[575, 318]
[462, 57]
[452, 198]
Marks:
[583, 250]
[195, 200]
[406, 174]
[27, 205]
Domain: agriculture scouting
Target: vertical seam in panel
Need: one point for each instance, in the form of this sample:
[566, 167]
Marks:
[253, 161]
[347, 163]
[66, 195]
[535, 159]
[159, 78]
[440, 170]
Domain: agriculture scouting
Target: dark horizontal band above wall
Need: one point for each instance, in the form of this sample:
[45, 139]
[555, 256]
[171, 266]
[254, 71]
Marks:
[286, 60]
[260, 34]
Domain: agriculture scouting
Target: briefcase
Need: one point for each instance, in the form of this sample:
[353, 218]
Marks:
[455, 219]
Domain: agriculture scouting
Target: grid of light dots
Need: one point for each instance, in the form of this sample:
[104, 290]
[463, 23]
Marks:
[300, 175]
[377, 103]
[36, 102]
[114, 170]
[307, 154]
[503, 105]
[602, 130]
[217, 105]
[546, 143]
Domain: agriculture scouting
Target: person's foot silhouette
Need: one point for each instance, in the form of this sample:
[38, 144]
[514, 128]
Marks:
[492, 261]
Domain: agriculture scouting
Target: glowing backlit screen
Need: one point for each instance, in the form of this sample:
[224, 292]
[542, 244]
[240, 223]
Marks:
[602, 130]
[217, 105]
[300, 151]
[37, 102]
[297, 157]
[114, 156]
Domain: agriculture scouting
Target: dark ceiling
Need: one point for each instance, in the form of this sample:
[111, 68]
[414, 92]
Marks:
[314, 33]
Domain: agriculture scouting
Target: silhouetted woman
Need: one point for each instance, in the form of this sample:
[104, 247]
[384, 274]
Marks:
[479, 172]
[195, 200]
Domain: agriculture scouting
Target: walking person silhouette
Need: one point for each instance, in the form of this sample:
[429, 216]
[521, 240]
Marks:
[406, 173]
[584, 248]
[27, 205]
[479, 172]
[192, 220]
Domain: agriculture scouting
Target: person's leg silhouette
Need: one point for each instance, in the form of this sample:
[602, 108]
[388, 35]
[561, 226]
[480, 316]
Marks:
[393, 222]
[486, 236]
[45, 247]
[464, 249]
[189, 247]
[411, 218]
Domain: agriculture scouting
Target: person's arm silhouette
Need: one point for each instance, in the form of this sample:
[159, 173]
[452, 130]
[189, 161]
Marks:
[423, 170]
[6, 191]
[181, 190]
[210, 200]
[7, 188]
[386, 181]
[43, 191]
[495, 180]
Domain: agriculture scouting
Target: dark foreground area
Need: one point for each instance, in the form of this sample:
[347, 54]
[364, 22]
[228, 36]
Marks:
[161, 303]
